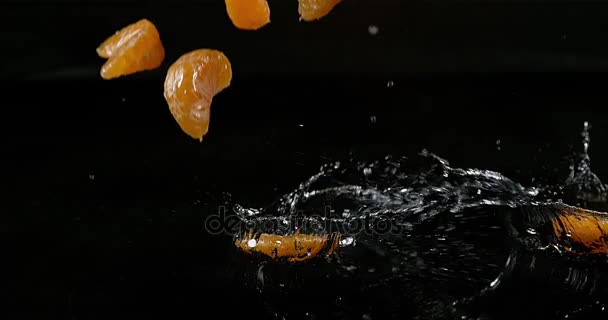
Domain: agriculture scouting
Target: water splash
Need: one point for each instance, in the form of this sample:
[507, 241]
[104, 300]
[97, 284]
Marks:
[447, 237]
[410, 190]
[582, 181]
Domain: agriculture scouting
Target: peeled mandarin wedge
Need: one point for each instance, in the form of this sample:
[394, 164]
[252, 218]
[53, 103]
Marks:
[315, 9]
[191, 83]
[135, 48]
[296, 248]
[248, 14]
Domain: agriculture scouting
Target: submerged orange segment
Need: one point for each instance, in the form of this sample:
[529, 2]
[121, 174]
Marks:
[586, 230]
[191, 83]
[315, 9]
[297, 247]
[135, 48]
[248, 14]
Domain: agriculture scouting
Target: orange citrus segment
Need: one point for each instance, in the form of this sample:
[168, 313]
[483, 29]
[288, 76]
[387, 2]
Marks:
[297, 247]
[315, 9]
[136, 47]
[191, 83]
[583, 229]
[248, 14]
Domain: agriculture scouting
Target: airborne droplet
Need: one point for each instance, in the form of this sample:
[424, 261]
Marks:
[373, 29]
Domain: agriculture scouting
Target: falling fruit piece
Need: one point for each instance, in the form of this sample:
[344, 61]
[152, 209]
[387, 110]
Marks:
[136, 47]
[191, 83]
[248, 14]
[315, 9]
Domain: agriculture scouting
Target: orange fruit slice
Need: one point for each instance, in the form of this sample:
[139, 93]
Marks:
[248, 14]
[297, 247]
[136, 47]
[315, 9]
[191, 83]
[585, 231]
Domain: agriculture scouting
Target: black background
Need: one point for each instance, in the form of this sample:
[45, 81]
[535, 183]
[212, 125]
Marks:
[105, 197]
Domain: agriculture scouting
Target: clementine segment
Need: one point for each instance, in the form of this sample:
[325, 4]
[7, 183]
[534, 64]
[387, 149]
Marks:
[315, 9]
[583, 230]
[297, 247]
[136, 47]
[248, 14]
[191, 83]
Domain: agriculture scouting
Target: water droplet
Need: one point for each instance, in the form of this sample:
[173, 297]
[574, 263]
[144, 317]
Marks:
[373, 29]
[347, 241]
[419, 263]
[252, 243]
[533, 191]
[496, 281]
[350, 268]
[346, 213]
[260, 275]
